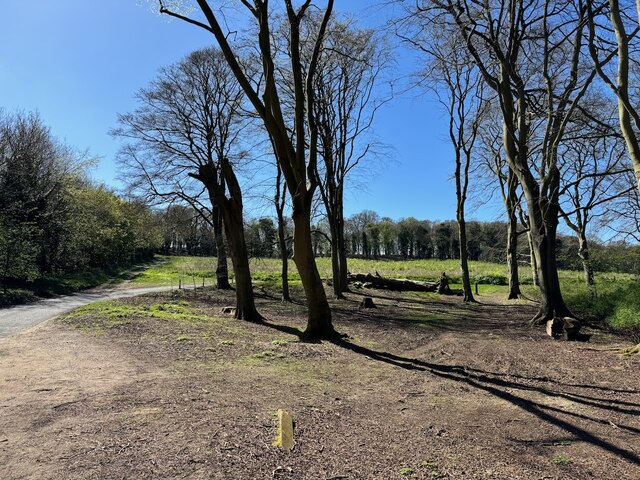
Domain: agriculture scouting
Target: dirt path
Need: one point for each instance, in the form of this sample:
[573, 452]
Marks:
[21, 317]
[424, 387]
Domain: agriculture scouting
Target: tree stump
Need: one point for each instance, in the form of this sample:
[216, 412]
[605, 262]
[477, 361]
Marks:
[566, 328]
[367, 302]
[443, 285]
[571, 329]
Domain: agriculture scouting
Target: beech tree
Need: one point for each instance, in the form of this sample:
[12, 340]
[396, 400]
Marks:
[532, 54]
[492, 153]
[297, 156]
[353, 60]
[595, 174]
[613, 33]
[458, 85]
[184, 144]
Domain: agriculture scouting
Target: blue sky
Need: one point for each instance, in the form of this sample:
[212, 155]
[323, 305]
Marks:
[79, 63]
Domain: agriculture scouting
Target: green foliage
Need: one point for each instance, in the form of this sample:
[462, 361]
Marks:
[18, 251]
[407, 471]
[617, 302]
[491, 280]
[562, 461]
[53, 222]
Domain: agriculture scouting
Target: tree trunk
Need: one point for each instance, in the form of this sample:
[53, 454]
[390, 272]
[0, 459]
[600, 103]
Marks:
[341, 246]
[245, 305]
[464, 257]
[511, 203]
[583, 253]
[284, 255]
[232, 219]
[319, 324]
[222, 269]
[625, 107]
[338, 268]
[544, 249]
[512, 263]
[335, 267]
[532, 261]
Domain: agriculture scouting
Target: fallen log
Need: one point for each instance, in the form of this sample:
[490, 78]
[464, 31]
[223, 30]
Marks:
[375, 281]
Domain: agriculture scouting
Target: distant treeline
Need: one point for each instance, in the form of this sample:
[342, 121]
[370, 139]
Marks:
[53, 221]
[372, 237]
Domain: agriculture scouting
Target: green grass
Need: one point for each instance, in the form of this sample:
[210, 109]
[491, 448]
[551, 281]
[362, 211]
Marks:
[171, 270]
[109, 314]
[562, 461]
[617, 299]
[267, 270]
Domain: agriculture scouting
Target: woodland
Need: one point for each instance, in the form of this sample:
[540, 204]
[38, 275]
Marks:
[278, 115]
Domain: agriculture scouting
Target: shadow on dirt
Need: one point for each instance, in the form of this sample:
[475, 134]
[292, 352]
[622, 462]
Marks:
[497, 384]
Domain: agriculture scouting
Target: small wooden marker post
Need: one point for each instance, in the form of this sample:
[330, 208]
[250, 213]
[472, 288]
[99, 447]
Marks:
[284, 437]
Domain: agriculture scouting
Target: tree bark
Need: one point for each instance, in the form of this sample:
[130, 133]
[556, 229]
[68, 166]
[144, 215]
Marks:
[284, 255]
[342, 254]
[464, 258]
[231, 210]
[544, 249]
[222, 269]
[319, 324]
[625, 107]
[511, 201]
[583, 253]
[335, 267]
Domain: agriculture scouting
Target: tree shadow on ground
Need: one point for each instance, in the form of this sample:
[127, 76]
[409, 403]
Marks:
[484, 381]
[496, 384]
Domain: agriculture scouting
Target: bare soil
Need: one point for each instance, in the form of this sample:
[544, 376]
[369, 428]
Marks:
[423, 387]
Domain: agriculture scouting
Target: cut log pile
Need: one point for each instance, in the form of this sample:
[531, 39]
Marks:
[367, 280]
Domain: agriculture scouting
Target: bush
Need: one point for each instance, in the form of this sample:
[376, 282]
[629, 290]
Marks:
[492, 280]
[617, 303]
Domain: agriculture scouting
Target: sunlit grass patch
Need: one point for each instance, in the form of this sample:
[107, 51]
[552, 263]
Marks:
[105, 315]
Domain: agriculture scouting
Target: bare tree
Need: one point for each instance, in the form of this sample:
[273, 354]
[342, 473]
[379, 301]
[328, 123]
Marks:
[532, 55]
[603, 48]
[492, 153]
[594, 176]
[352, 61]
[297, 157]
[462, 97]
[184, 136]
[280, 202]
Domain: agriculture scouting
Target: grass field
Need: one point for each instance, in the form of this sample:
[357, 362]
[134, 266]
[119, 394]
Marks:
[616, 296]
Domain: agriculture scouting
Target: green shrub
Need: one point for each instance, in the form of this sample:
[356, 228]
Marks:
[492, 280]
[617, 303]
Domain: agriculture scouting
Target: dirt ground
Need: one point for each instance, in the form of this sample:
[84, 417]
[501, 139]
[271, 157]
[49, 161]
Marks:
[163, 386]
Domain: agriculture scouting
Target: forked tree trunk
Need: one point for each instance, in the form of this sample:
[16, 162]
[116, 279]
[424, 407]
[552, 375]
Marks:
[319, 314]
[245, 305]
[222, 269]
[231, 210]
